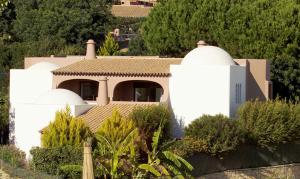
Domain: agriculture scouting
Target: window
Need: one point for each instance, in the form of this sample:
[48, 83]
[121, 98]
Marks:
[147, 94]
[89, 90]
[238, 93]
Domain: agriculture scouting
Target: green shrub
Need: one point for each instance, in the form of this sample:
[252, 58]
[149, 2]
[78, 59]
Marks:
[49, 160]
[220, 133]
[148, 119]
[70, 171]
[189, 146]
[65, 130]
[270, 123]
[13, 156]
[16, 172]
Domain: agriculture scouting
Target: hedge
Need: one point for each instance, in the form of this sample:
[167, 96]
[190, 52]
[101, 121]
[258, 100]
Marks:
[50, 160]
[12, 156]
[71, 171]
[270, 123]
[220, 133]
[148, 119]
[17, 172]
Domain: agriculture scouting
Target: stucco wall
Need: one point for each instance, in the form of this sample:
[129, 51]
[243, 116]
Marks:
[291, 171]
[257, 78]
[60, 61]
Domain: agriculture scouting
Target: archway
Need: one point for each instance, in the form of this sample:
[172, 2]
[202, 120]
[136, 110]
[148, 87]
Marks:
[87, 89]
[139, 91]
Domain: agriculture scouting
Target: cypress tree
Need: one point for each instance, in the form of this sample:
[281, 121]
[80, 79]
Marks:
[65, 130]
[109, 47]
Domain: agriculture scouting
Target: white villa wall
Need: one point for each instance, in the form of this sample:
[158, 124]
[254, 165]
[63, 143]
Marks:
[237, 76]
[27, 85]
[198, 91]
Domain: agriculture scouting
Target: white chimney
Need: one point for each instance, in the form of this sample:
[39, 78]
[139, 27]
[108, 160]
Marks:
[201, 43]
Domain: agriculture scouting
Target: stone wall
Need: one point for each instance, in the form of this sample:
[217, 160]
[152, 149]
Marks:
[291, 171]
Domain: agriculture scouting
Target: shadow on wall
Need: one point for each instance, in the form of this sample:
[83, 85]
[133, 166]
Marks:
[247, 156]
[253, 89]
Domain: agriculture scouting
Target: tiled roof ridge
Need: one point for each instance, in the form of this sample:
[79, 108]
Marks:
[111, 74]
[120, 66]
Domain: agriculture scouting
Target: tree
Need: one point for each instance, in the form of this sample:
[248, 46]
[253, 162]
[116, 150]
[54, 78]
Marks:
[246, 29]
[137, 47]
[109, 47]
[116, 138]
[65, 130]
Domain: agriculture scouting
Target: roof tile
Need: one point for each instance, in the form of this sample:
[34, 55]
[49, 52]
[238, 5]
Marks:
[121, 66]
[95, 116]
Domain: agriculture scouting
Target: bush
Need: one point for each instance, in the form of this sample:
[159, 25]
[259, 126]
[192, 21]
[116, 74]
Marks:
[65, 130]
[70, 171]
[148, 119]
[270, 123]
[49, 160]
[220, 133]
[12, 156]
[189, 146]
[15, 172]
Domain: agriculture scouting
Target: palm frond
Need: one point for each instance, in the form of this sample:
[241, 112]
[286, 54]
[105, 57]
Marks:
[149, 168]
[155, 140]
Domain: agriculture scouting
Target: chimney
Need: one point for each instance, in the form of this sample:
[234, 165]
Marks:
[201, 43]
[90, 49]
[102, 98]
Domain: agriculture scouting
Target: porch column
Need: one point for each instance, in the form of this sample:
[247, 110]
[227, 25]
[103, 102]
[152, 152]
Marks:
[102, 98]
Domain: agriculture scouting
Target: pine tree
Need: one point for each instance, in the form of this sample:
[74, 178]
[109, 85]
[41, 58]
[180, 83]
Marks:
[110, 46]
[65, 130]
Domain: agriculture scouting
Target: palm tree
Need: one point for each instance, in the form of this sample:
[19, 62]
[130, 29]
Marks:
[162, 162]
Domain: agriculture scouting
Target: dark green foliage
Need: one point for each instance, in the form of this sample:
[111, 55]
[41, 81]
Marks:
[74, 21]
[246, 29]
[12, 156]
[148, 119]
[137, 47]
[270, 123]
[4, 110]
[71, 171]
[220, 133]
[50, 160]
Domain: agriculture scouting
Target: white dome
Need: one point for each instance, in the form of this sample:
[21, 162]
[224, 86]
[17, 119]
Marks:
[44, 66]
[59, 97]
[207, 55]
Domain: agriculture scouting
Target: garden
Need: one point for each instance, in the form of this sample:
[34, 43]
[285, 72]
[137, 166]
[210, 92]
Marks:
[140, 145]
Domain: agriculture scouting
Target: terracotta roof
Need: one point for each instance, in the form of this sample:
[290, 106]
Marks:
[95, 116]
[130, 11]
[120, 66]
